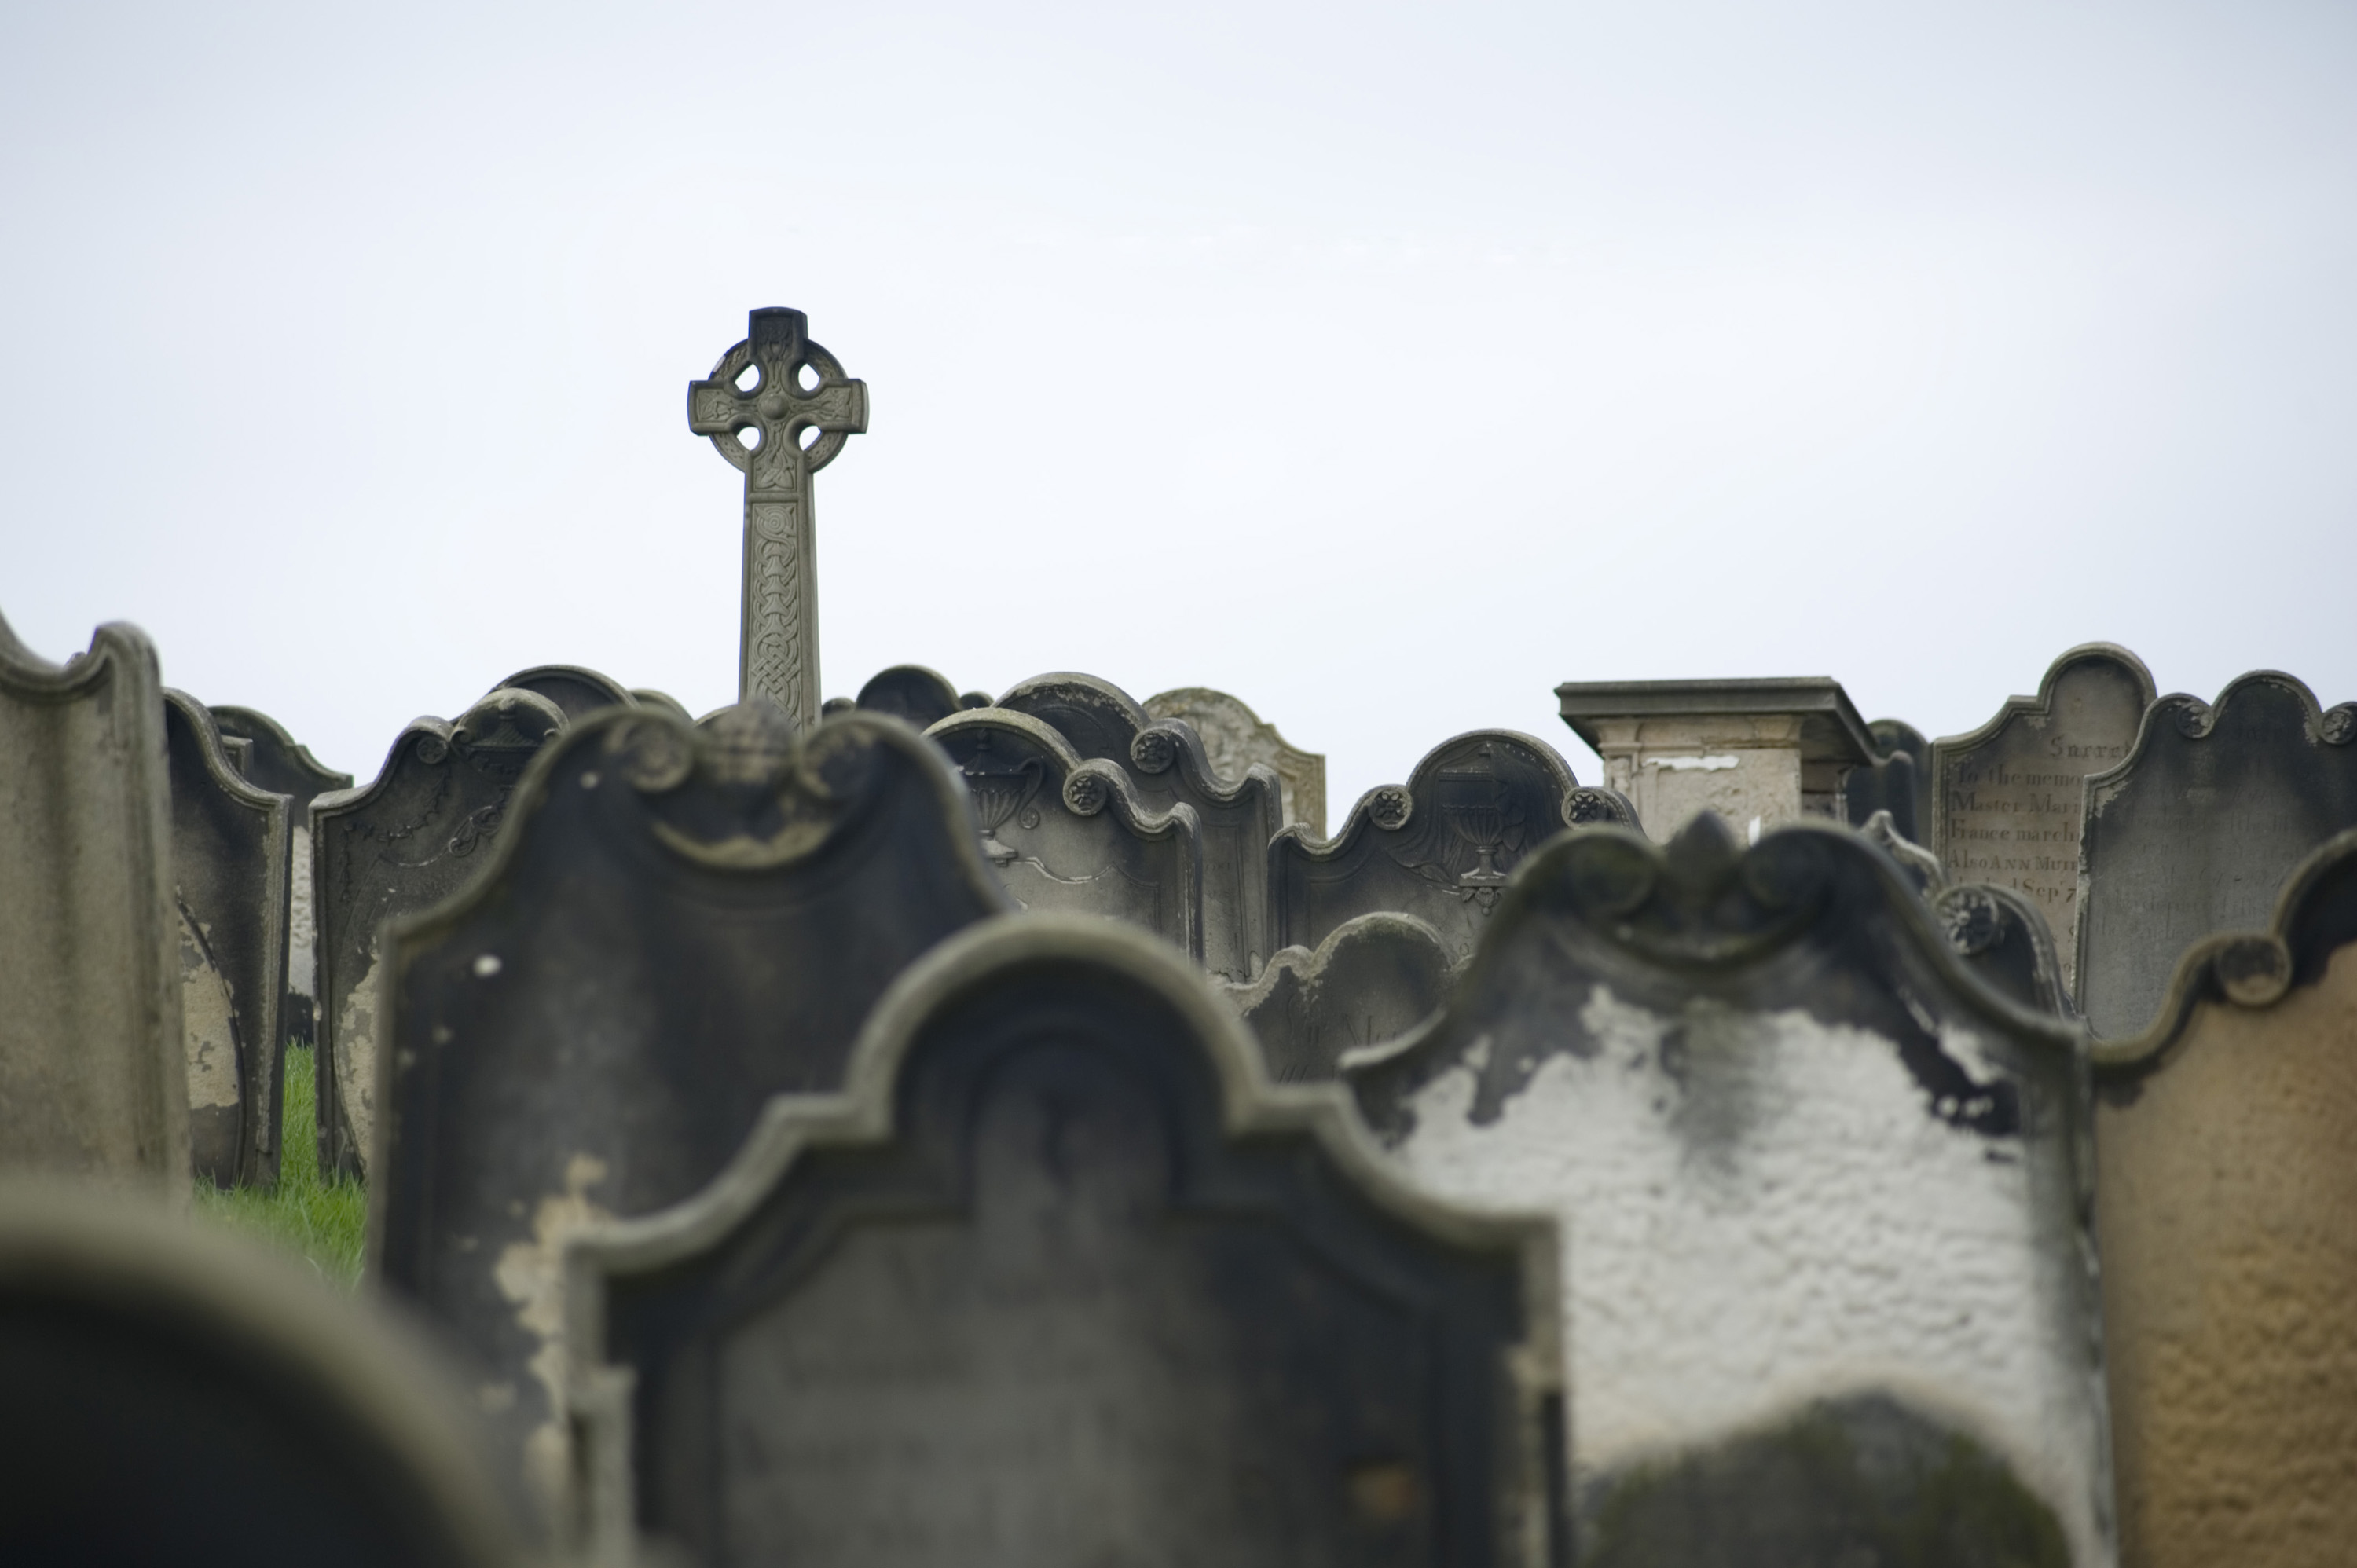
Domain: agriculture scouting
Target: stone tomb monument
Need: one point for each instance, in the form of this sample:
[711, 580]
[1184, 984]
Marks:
[1830, 1279]
[2195, 830]
[1236, 737]
[277, 761]
[176, 1397]
[2009, 793]
[417, 834]
[1071, 835]
[2226, 1199]
[1440, 847]
[1374, 979]
[1058, 1279]
[93, 1079]
[676, 925]
[230, 885]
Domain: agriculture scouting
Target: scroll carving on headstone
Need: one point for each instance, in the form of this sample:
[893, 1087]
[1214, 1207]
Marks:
[779, 408]
[414, 837]
[2194, 832]
[1440, 847]
[1823, 1195]
[1060, 1279]
[577, 692]
[93, 1079]
[674, 926]
[1236, 737]
[1373, 980]
[1997, 932]
[2009, 793]
[1069, 833]
[230, 848]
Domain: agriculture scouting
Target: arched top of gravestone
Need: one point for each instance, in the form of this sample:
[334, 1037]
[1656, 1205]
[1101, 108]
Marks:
[1011, 759]
[648, 697]
[505, 721]
[911, 693]
[576, 691]
[182, 1397]
[1236, 737]
[113, 647]
[277, 760]
[1067, 1099]
[1374, 979]
[2315, 916]
[1098, 718]
[2107, 678]
[1543, 797]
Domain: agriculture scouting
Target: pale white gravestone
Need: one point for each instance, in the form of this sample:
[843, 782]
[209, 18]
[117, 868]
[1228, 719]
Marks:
[1830, 1277]
[1759, 753]
[1236, 737]
[93, 1077]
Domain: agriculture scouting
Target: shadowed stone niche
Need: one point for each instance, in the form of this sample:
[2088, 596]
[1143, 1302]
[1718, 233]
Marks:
[1823, 1196]
[2227, 1204]
[676, 925]
[1059, 1279]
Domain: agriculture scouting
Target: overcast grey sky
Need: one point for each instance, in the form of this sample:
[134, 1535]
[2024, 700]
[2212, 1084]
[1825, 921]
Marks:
[1384, 366]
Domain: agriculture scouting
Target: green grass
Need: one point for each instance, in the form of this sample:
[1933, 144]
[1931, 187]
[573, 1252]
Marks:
[325, 1223]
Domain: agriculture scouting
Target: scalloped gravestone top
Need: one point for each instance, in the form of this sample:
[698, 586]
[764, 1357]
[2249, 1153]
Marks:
[1440, 847]
[1059, 1279]
[765, 399]
[1820, 1192]
[93, 1079]
[2196, 830]
[2008, 794]
[2226, 1199]
[230, 879]
[1374, 979]
[915, 695]
[412, 838]
[1236, 737]
[677, 925]
[577, 691]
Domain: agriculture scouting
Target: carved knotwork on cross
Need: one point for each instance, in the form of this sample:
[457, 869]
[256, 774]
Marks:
[766, 397]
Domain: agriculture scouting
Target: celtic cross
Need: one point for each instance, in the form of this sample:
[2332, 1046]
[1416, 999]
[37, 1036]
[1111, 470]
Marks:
[766, 398]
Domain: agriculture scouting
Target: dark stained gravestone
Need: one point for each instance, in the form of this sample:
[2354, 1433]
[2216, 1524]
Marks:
[577, 693]
[677, 925]
[93, 1079]
[913, 694]
[276, 760]
[2226, 1201]
[173, 1397]
[2195, 830]
[1999, 933]
[1072, 835]
[228, 873]
[2008, 794]
[1897, 781]
[1098, 718]
[1823, 1195]
[648, 697]
[1373, 980]
[1440, 847]
[410, 839]
[1060, 1280]
[1236, 737]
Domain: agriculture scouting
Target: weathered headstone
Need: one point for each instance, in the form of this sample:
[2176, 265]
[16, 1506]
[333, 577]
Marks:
[577, 692]
[276, 760]
[1899, 780]
[1069, 833]
[1236, 737]
[648, 697]
[1374, 979]
[1830, 1279]
[2226, 1201]
[2196, 830]
[230, 848]
[93, 1079]
[1440, 847]
[676, 925]
[1759, 753]
[1059, 1279]
[176, 1397]
[2008, 794]
[779, 408]
[1098, 718]
[414, 837]
[913, 694]
[1999, 933]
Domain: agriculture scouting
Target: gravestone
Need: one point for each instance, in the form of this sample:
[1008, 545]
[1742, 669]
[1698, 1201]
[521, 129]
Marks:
[418, 834]
[1830, 1276]
[1759, 753]
[1236, 737]
[175, 1396]
[1899, 780]
[1070, 834]
[913, 694]
[676, 926]
[1060, 1280]
[229, 882]
[2226, 1199]
[93, 1079]
[1999, 933]
[1374, 979]
[2194, 831]
[577, 693]
[648, 697]
[276, 760]
[1440, 847]
[2009, 793]
[779, 408]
